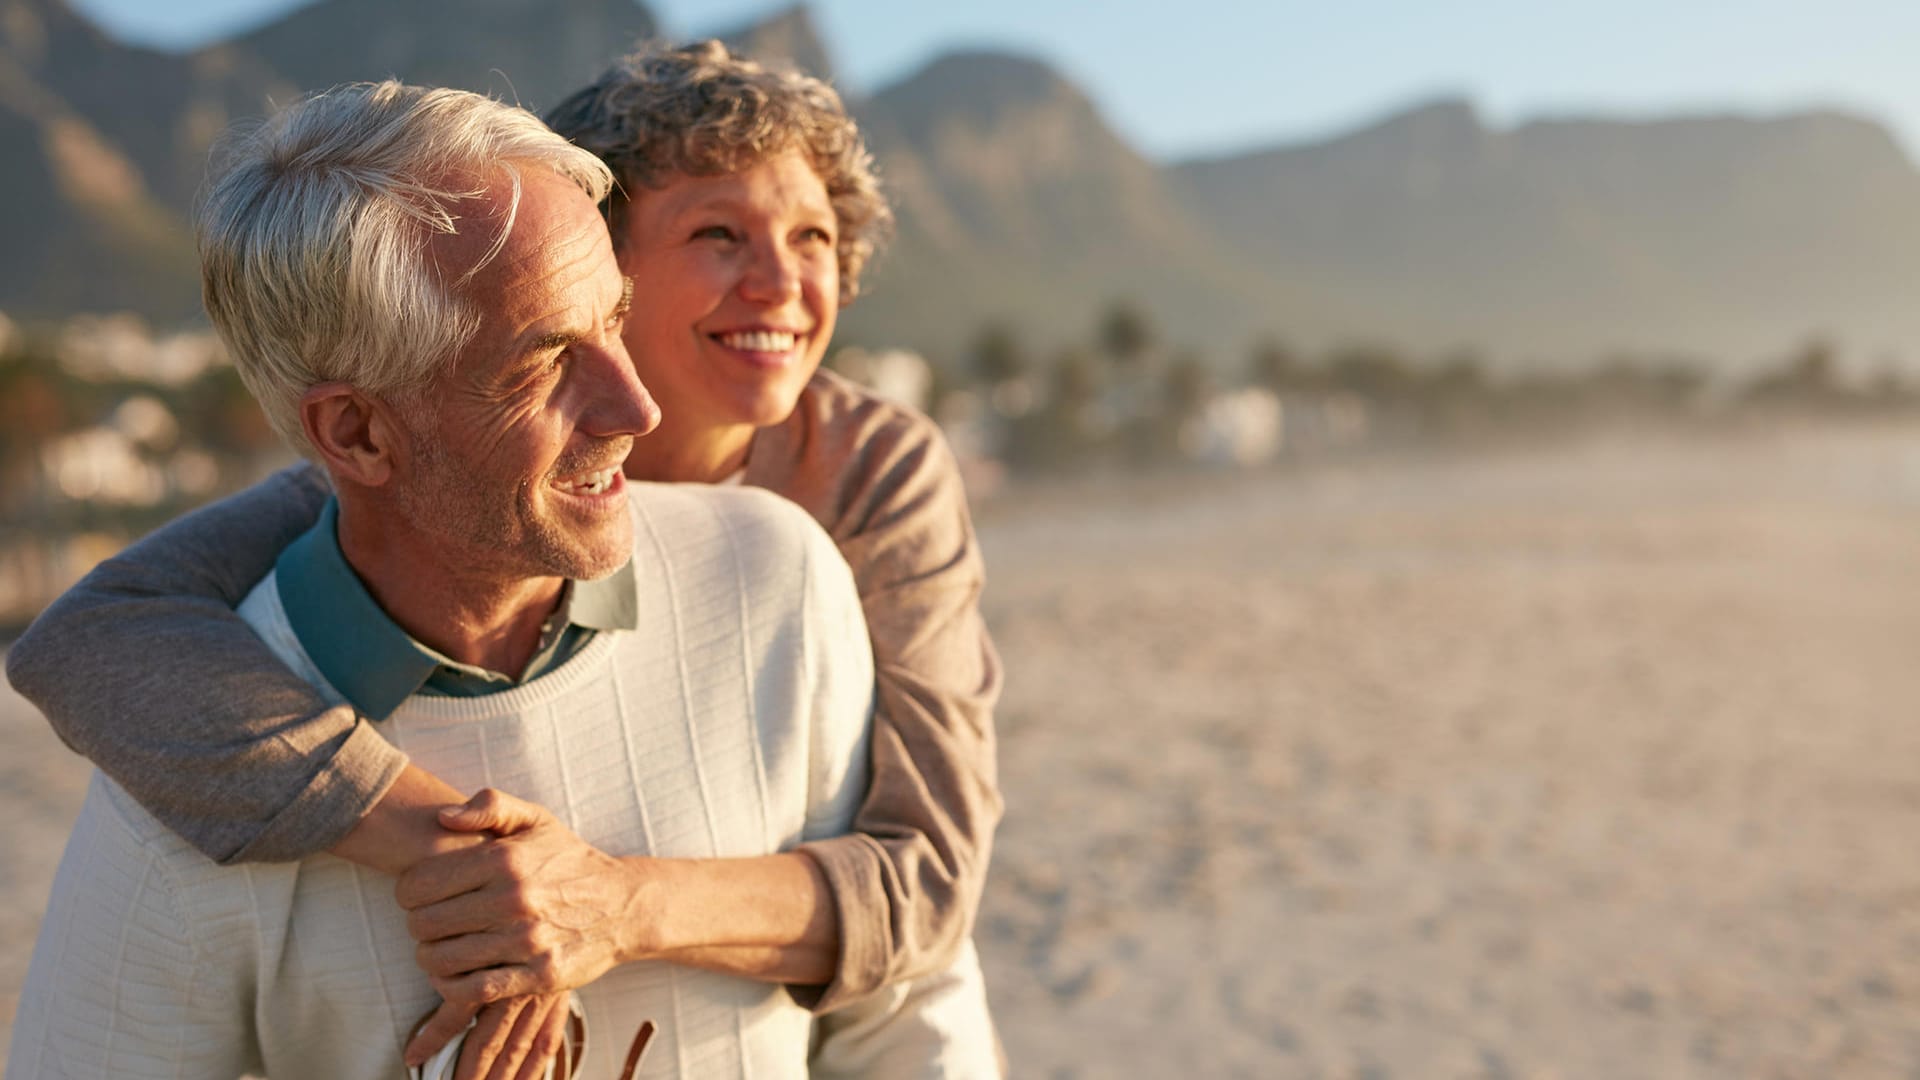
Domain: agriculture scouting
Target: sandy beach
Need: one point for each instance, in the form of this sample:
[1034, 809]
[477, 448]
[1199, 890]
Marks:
[1597, 762]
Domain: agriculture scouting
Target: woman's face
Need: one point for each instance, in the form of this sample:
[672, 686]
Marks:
[736, 285]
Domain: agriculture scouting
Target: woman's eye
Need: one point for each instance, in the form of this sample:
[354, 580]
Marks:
[713, 232]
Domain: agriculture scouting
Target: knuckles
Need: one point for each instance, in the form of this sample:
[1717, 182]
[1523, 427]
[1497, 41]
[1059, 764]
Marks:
[544, 977]
[519, 903]
[545, 1044]
[492, 986]
[525, 939]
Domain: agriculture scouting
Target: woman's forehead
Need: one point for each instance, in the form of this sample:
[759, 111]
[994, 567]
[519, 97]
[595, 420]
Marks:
[781, 181]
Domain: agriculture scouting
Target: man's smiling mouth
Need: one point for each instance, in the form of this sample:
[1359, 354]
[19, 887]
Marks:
[592, 483]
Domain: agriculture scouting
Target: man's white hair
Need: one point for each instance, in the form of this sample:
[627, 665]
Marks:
[315, 254]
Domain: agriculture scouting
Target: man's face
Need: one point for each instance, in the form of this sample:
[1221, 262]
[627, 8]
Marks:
[738, 284]
[514, 470]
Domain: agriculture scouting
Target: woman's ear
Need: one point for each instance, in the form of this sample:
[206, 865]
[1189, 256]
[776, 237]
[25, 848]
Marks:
[353, 433]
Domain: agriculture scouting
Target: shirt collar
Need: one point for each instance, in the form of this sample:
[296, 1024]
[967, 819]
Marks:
[358, 647]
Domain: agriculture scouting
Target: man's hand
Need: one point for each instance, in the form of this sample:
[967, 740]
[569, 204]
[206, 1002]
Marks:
[515, 1039]
[509, 1040]
[533, 910]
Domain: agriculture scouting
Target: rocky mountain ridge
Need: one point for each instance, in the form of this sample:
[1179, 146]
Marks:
[1728, 238]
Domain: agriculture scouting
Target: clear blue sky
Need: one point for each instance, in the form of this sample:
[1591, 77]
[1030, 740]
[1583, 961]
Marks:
[1185, 77]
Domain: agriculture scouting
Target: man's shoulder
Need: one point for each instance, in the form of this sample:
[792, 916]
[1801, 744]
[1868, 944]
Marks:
[692, 513]
[712, 549]
[756, 529]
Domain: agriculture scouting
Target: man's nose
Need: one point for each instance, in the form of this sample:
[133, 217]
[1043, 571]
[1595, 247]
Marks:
[618, 402]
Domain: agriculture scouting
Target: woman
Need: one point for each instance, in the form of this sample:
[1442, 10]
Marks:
[746, 214]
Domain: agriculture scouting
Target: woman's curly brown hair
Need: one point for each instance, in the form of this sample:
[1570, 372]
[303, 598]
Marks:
[698, 110]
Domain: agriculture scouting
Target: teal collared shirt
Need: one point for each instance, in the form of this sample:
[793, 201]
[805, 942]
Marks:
[376, 665]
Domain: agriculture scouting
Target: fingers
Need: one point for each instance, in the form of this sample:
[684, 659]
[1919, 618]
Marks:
[477, 912]
[455, 956]
[448, 1020]
[477, 988]
[443, 877]
[492, 811]
[547, 1040]
[489, 1036]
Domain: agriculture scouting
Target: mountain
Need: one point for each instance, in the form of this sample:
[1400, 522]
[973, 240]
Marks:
[1018, 204]
[84, 230]
[1560, 240]
[785, 37]
[531, 53]
[82, 234]
[158, 110]
[104, 145]
[1567, 238]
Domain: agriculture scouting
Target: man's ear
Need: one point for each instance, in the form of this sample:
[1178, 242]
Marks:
[354, 433]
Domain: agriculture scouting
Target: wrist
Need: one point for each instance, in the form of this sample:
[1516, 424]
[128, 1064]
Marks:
[645, 903]
[403, 827]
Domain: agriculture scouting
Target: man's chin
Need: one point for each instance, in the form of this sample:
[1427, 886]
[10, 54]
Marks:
[604, 568]
[599, 555]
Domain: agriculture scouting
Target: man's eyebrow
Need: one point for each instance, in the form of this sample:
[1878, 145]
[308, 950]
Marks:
[560, 339]
[553, 339]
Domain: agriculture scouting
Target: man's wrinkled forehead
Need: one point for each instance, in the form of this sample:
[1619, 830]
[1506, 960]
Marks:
[476, 227]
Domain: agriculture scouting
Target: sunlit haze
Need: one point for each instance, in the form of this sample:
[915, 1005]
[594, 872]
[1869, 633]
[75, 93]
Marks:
[1209, 76]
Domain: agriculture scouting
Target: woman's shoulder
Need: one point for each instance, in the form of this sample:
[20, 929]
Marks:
[848, 455]
[837, 406]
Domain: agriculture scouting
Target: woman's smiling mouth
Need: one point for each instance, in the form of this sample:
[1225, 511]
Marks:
[759, 341]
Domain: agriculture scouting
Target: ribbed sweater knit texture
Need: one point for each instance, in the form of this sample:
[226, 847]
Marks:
[732, 722]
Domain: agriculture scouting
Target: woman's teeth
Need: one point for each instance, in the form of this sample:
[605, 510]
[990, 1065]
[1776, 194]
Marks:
[760, 340]
[590, 483]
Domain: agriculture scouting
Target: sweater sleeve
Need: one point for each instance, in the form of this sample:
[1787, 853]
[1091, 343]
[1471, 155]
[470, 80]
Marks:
[144, 668]
[907, 881]
[128, 978]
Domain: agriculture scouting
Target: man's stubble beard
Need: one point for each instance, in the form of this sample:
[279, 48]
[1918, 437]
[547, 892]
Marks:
[493, 529]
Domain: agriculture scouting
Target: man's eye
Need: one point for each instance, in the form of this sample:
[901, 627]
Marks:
[620, 310]
[713, 232]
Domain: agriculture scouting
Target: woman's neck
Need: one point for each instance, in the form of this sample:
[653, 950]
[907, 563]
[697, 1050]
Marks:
[707, 456]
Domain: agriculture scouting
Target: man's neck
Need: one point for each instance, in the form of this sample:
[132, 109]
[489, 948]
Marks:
[465, 613]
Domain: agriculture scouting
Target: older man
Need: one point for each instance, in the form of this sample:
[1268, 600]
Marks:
[418, 288]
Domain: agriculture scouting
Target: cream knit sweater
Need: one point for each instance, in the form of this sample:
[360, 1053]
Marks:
[732, 722]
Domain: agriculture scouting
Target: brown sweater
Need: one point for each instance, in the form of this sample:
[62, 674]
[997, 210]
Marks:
[144, 668]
